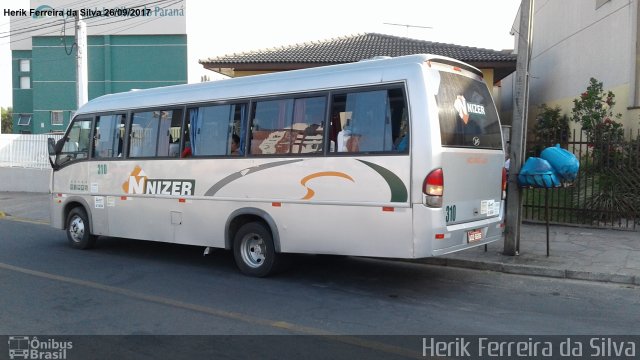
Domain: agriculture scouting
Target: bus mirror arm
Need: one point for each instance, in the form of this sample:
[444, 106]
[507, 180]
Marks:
[59, 146]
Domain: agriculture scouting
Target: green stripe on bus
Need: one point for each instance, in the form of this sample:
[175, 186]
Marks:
[398, 190]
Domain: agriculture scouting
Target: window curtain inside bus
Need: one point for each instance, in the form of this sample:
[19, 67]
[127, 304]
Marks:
[195, 118]
[213, 130]
[370, 120]
[106, 139]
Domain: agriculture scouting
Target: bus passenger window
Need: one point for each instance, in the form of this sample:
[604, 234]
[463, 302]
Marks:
[288, 126]
[144, 134]
[108, 136]
[308, 125]
[152, 133]
[369, 121]
[211, 129]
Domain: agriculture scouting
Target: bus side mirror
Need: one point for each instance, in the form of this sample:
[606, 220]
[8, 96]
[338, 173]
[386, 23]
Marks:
[54, 148]
[51, 144]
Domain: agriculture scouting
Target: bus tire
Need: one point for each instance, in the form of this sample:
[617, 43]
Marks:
[79, 229]
[253, 250]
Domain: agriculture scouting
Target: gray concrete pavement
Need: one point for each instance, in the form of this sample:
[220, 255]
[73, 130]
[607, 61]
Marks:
[25, 205]
[604, 255]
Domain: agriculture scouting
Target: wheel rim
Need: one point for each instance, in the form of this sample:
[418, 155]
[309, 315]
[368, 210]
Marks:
[253, 250]
[76, 229]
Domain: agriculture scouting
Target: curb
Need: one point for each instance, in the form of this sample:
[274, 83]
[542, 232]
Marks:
[531, 270]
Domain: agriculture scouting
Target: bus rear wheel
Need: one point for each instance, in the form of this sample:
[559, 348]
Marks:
[253, 250]
[79, 230]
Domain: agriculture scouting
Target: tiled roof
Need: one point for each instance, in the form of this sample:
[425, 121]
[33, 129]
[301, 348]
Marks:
[358, 47]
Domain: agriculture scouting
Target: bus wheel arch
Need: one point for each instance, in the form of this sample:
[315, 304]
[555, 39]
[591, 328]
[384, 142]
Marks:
[252, 239]
[72, 203]
[247, 215]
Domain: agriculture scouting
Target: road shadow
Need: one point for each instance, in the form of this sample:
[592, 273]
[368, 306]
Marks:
[389, 278]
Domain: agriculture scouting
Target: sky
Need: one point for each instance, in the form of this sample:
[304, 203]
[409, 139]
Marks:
[216, 28]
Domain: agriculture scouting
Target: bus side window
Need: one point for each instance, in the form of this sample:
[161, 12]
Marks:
[108, 136]
[308, 125]
[288, 126]
[369, 121]
[77, 142]
[144, 134]
[169, 136]
[211, 129]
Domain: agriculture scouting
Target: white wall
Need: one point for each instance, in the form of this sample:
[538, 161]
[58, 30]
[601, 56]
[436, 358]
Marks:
[572, 42]
[27, 180]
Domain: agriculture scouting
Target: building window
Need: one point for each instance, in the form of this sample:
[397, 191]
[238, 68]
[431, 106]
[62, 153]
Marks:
[57, 117]
[25, 82]
[25, 65]
[24, 120]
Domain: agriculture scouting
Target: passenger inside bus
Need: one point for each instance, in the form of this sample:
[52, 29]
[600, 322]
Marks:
[187, 150]
[235, 145]
[402, 141]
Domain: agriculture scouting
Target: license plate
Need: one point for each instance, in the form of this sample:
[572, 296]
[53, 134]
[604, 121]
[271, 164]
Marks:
[474, 235]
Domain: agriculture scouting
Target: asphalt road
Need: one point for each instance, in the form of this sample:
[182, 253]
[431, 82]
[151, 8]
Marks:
[126, 287]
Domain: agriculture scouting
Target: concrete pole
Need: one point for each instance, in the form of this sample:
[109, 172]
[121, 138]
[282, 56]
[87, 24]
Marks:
[519, 129]
[82, 81]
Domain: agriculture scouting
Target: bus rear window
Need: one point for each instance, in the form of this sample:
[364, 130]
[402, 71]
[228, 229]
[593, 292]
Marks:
[467, 114]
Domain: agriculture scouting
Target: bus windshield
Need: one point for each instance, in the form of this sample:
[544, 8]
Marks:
[467, 114]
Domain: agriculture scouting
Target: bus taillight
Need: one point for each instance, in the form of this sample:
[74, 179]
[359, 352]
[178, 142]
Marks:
[433, 188]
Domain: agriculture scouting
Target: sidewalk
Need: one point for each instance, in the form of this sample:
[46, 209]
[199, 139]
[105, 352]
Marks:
[575, 253]
[604, 255]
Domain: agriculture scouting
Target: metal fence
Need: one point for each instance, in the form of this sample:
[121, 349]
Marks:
[606, 192]
[26, 151]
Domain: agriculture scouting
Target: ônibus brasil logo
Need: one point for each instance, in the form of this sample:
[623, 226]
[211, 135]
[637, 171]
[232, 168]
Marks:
[139, 183]
[32, 348]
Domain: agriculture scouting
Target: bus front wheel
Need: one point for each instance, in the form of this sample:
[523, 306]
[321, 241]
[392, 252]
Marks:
[79, 230]
[253, 250]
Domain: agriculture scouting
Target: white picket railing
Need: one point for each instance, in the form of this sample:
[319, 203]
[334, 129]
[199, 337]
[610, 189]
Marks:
[26, 151]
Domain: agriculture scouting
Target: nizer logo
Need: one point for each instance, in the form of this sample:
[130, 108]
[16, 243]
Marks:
[138, 183]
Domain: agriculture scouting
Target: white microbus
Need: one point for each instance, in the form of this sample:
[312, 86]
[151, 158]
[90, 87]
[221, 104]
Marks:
[397, 158]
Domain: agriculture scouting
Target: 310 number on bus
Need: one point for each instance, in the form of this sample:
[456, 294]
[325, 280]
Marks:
[450, 213]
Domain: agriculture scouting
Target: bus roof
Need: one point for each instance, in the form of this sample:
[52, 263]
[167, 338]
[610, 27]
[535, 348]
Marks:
[366, 72]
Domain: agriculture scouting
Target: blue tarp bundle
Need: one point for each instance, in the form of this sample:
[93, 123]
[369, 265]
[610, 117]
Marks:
[554, 166]
[565, 164]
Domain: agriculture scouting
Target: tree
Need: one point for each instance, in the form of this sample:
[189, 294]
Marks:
[7, 121]
[594, 111]
[551, 126]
